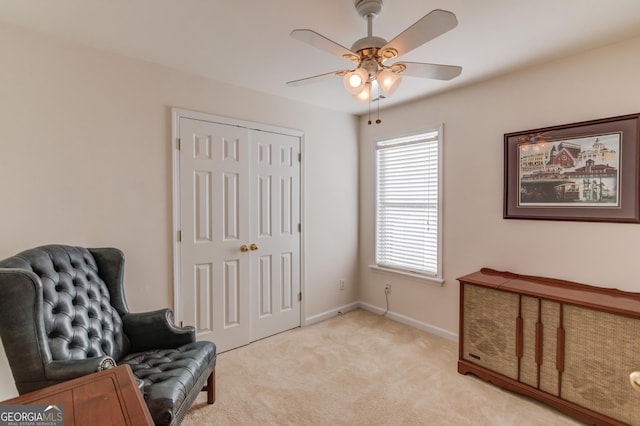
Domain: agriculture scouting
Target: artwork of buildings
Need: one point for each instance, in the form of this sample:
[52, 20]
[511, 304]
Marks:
[582, 170]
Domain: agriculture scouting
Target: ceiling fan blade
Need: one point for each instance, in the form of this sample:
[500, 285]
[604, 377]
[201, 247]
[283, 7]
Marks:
[435, 71]
[316, 78]
[321, 42]
[430, 26]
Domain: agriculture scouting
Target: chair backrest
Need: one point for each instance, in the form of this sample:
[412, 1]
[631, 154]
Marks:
[79, 320]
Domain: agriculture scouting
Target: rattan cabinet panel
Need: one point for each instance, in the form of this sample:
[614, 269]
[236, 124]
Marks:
[601, 349]
[487, 341]
[529, 312]
[550, 318]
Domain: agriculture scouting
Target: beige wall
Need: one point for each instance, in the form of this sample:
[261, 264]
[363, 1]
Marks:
[85, 159]
[597, 84]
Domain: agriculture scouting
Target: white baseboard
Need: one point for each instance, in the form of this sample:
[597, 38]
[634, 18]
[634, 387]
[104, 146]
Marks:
[411, 322]
[331, 313]
[391, 315]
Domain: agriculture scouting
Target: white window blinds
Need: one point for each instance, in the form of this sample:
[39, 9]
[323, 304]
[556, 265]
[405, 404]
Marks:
[407, 204]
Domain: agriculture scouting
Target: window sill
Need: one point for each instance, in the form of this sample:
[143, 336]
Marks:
[429, 280]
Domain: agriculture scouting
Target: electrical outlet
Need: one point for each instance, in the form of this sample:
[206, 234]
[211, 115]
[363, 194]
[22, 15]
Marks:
[342, 284]
[387, 288]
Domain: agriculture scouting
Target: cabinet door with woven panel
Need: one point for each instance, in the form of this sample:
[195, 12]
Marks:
[549, 367]
[601, 349]
[489, 333]
[538, 364]
[530, 314]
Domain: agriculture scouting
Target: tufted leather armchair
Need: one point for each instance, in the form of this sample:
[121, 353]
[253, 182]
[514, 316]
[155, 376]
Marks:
[63, 314]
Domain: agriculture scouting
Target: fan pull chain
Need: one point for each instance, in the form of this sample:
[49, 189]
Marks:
[378, 121]
[369, 122]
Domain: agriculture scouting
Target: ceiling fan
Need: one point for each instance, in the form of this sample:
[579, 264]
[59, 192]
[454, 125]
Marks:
[372, 79]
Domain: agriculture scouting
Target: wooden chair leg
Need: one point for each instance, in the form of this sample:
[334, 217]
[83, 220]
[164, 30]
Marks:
[211, 387]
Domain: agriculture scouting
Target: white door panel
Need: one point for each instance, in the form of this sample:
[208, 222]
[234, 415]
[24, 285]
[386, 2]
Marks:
[275, 171]
[215, 223]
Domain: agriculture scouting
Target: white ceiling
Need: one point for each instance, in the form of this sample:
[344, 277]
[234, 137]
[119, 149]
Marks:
[247, 42]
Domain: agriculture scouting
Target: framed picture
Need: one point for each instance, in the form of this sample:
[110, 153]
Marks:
[584, 171]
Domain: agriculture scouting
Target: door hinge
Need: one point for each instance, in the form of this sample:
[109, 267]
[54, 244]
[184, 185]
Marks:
[179, 144]
[299, 227]
[300, 297]
[179, 236]
[299, 157]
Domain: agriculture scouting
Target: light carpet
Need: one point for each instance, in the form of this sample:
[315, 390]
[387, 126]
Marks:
[358, 369]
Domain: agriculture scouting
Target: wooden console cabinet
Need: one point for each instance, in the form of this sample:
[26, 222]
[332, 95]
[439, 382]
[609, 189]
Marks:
[569, 345]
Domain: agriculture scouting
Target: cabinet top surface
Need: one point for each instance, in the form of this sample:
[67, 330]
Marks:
[601, 298]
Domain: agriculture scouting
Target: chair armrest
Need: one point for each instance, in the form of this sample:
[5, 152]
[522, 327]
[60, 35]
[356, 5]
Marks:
[155, 330]
[72, 368]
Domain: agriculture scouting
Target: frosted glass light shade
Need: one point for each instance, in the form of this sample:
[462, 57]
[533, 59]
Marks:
[355, 81]
[364, 95]
[370, 93]
[388, 81]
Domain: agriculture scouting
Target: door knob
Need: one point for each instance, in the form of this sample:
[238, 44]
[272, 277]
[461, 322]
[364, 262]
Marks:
[253, 247]
[244, 248]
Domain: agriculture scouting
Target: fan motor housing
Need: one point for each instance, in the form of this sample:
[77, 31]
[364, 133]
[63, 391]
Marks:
[368, 42]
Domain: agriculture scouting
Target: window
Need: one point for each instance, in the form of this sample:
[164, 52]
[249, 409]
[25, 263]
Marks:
[408, 207]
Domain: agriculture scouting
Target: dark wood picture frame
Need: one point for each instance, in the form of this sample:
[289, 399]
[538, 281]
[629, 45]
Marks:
[586, 171]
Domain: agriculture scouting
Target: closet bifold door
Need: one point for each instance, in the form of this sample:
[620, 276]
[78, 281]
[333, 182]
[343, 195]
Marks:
[601, 349]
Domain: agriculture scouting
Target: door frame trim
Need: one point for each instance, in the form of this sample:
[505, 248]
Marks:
[176, 115]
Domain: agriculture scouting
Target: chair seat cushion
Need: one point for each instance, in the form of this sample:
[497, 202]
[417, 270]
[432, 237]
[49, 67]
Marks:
[169, 375]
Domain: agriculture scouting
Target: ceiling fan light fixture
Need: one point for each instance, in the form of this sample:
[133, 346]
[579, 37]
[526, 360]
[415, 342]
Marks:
[388, 81]
[356, 80]
[372, 80]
